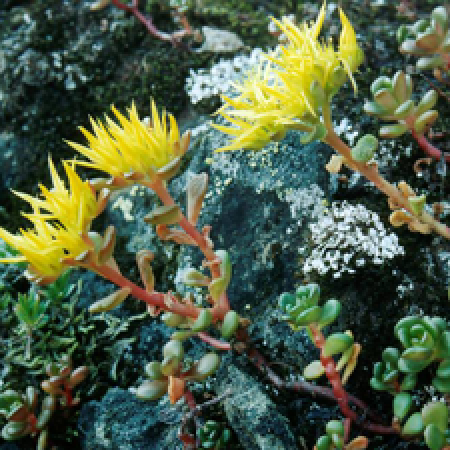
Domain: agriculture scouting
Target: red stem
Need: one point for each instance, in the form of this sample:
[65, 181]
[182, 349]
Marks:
[428, 147]
[68, 395]
[157, 299]
[216, 343]
[332, 374]
[311, 389]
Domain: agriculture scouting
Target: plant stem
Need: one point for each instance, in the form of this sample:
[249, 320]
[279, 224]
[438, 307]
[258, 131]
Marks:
[311, 389]
[428, 147]
[157, 299]
[371, 173]
[216, 343]
[332, 374]
[160, 189]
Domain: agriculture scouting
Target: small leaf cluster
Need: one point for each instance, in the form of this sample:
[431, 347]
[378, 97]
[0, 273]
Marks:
[392, 102]
[432, 421]
[30, 310]
[20, 412]
[168, 376]
[301, 310]
[425, 340]
[429, 39]
[61, 289]
[212, 435]
[62, 380]
[334, 438]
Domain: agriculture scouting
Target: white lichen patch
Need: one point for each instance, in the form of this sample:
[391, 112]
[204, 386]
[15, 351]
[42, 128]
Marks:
[349, 237]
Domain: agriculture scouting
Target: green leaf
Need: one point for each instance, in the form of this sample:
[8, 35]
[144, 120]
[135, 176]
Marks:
[286, 301]
[14, 430]
[402, 405]
[435, 413]
[417, 353]
[404, 110]
[205, 367]
[443, 370]
[203, 321]
[382, 82]
[324, 443]
[152, 390]
[390, 355]
[164, 215]
[424, 121]
[434, 437]
[374, 109]
[10, 402]
[311, 315]
[385, 98]
[417, 204]
[399, 86]
[442, 384]
[318, 133]
[427, 102]
[313, 370]
[308, 294]
[439, 17]
[410, 366]
[153, 370]
[230, 324]
[337, 343]
[219, 285]
[413, 426]
[409, 382]
[377, 384]
[393, 131]
[330, 312]
[365, 148]
[390, 376]
[335, 427]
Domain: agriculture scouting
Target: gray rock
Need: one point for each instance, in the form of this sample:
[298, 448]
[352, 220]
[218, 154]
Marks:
[252, 414]
[122, 422]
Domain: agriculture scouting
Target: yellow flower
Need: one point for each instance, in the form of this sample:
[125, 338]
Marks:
[60, 219]
[282, 98]
[132, 146]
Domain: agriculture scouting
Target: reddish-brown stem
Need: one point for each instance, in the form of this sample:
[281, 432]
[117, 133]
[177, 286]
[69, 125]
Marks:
[174, 38]
[32, 420]
[428, 147]
[190, 400]
[332, 374]
[68, 395]
[161, 191]
[311, 389]
[157, 299]
[347, 426]
[216, 343]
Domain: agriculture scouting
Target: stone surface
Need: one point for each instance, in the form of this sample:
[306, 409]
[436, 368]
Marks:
[122, 422]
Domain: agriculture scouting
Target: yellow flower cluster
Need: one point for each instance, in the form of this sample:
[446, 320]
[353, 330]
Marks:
[60, 218]
[131, 146]
[279, 94]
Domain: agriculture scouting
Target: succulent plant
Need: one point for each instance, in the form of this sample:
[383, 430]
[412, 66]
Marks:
[431, 421]
[425, 340]
[334, 439]
[429, 39]
[213, 435]
[62, 380]
[392, 102]
[20, 412]
[167, 376]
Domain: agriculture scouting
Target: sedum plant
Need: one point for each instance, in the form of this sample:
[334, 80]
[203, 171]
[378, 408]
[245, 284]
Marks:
[425, 341]
[335, 438]
[213, 436]
[20, 411]
[429, 39]
[292, 89]
[31, 314]
[302, 310]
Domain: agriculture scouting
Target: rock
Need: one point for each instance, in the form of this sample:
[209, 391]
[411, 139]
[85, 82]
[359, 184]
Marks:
[220, 41]
[253, 415]
[122, 422]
